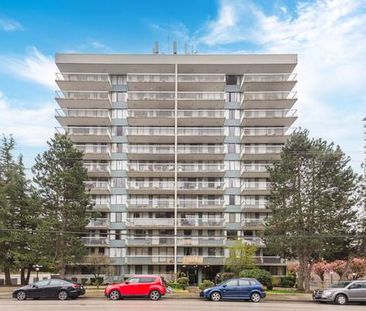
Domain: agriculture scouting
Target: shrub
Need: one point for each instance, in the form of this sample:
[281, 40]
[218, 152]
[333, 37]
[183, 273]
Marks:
[288, 281]
[226, 276]
[205, 284]
[263, 276]
[184, 281]
[175, 285]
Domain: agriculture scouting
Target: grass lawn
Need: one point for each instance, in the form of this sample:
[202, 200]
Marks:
[291, 291]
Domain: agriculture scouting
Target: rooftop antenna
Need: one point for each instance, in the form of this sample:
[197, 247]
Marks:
[174, 47]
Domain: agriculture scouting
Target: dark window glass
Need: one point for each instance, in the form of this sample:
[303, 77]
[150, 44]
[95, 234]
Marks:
[232, 283]
[244, 283]
[147, 280]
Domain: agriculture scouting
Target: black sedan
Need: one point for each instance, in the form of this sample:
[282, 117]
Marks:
[53, 288]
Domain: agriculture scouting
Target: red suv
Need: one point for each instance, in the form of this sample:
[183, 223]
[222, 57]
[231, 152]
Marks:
[152, 286]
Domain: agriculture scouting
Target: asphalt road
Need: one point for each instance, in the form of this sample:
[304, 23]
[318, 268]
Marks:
[98, 304]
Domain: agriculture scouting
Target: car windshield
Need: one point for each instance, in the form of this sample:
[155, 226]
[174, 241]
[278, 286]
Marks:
[339, 285]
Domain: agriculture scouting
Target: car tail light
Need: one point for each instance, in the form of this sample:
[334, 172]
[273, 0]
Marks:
[75, 285]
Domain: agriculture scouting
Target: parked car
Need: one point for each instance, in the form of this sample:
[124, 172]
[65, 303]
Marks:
[52, 288]
[152, 286]
[241, 288]
[342, 292]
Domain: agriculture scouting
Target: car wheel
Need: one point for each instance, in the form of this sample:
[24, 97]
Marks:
[340, 299]
[255, 297]
[215, 296]
[114, 295]
[154, 295]
[62, 295]
[21, 295]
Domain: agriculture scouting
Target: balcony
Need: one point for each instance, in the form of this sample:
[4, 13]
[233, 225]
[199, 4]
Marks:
[253, 224]
[270, 261]
[98, 187]
[169, 259]
[254, 170]
[201, 241]
[261, 152]
[102, 223]
[267, 117]
[83, 99]
[258, 206]
[151, 152]
[95, 152]
[201, 82]
[201, 187]
[97, 169]
[268, 100]
[256, 188]
[254, 240]
[83, 117]
[262, 135]
[157, 169]
[200, 223]
[201, 152]
[83, 81]
[151, 99]
[167, 134]
[150, 187]
[166, 117]
[183, 204]
[88, 134]
[149, 222]
[201, 100]
[268, 82]
[146, 241]
[101, 206]
[151, 81]
[95, 241]
[201, 169]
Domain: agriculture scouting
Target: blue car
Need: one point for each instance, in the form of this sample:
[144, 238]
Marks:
[242, 288]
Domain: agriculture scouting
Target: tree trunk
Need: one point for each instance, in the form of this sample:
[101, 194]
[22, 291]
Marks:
[29, 270]
[300, 277]
[307, 277]
[22, 277]
[7, 276]
[62, 270]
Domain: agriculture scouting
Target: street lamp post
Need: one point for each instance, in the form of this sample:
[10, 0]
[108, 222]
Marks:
[37, 267]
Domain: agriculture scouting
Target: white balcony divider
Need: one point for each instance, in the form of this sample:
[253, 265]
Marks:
[80, 113]
[82, 95]
[83, 77]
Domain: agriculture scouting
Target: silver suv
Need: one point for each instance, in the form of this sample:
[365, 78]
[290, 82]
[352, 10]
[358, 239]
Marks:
[342, 292]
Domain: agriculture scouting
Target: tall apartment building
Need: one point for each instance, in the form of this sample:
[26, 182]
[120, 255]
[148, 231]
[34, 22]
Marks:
[176, 148]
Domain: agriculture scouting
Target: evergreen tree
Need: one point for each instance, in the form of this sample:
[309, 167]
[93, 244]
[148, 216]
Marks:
[241, 256]
[312, 200]
[59, 176]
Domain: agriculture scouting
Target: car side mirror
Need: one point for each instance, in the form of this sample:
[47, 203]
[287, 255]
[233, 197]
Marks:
[34, 286]
[127, 282]
[224, 285]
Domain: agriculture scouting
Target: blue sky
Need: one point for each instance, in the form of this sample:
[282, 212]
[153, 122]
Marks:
[328, 35]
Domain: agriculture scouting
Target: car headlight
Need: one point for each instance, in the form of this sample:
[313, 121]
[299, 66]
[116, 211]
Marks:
[206, 290]
[327, 293]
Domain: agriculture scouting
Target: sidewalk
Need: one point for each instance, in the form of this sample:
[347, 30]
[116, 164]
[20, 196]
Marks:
[92, 292]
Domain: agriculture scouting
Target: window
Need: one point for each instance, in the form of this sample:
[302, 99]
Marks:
[244, 282]
[232, 217]
[118, 80]
[147, 280]
[42, 283]
[231, 80]
[231, 199]
[138, 270]
[118, 97]
[57, 283]
[211, 251]
[232, 283]
[118, 114]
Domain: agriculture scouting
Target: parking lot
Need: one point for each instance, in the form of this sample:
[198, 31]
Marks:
[166, 304]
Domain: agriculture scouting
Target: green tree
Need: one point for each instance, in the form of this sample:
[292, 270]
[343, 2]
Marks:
[312, 196]
[18, 213]
[59, 176]
[241, 256]
[99, 265]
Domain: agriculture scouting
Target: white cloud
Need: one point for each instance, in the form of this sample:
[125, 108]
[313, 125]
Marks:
[31, 127]
[330, 38]
[7, 24]
[34, 66]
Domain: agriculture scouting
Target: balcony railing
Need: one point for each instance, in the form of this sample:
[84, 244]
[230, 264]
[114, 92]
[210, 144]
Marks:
[269, 95]
[82, 77]
[187, 149]
[253, 222]
[200, 185]
[182, 203]
[262, 260]
[262, 149]
[150, 96]
[88, 131]
[256, 186]
[156, 184]
[269, 113]
[199, 222]
[95, 240]
[155, 131]
[132, 222]
[262, 204]
[201, 96]
[151, 149]
[97, 167]
[264, 131]
[269, 77]
[148, 77]
[192, 203]
[98, 222]
[166, 113]
[83, 95]
[182, 131]
[93, 148]
[202, 78]
[151, 167]
[83, 113]
[254, 168]
[95, 184]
